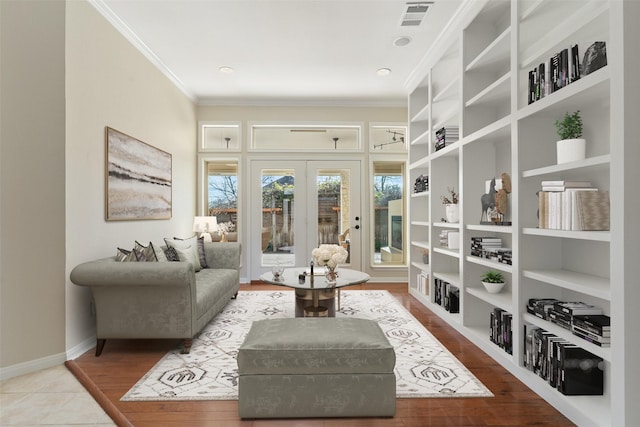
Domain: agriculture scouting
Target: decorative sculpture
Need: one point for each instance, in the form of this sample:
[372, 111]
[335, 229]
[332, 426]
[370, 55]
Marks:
[488, 201]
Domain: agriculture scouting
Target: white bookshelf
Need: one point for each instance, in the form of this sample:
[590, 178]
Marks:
[479, 83]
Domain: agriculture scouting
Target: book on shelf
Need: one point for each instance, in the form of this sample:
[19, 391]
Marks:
[560, 70]
[574, 308]
[578, 209]
[598, 324]
[590, 337]
[582, 373]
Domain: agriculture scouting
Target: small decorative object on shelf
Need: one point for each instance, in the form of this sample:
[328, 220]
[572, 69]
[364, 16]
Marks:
[329, 256]
[571, 146]
[450, 202]
[493, 281]
[425, 256]
[495, 202]
[595, 57]
[421, 184]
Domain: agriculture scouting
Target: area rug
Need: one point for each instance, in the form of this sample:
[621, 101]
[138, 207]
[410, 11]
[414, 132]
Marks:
[424, 367]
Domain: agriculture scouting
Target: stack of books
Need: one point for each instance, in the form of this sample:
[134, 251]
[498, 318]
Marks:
[572, 205]
[594, 328]
[446, 135]
[490, 248]
[421, 184]
[500, 329]
[569, 368]
[450, 239]
[422, 283]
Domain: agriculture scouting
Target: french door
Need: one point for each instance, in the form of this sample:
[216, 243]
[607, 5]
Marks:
[297, 205]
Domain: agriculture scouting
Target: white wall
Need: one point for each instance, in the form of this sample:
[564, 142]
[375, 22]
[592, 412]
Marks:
[110, 83]
[32, 129]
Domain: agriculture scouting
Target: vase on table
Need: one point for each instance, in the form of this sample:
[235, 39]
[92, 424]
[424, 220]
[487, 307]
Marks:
[331, 274]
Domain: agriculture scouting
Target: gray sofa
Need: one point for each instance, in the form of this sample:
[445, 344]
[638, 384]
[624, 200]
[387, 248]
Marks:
[160, 299]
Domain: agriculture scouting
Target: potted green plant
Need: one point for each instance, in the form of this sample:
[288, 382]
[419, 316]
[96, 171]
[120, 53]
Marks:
[493, 281]
[571, 146]
[451, 209]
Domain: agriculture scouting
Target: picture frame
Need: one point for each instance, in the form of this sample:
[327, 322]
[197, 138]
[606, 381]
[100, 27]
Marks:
[138, 179]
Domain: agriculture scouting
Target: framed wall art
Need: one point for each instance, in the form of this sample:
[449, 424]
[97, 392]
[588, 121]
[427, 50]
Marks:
[138, 179]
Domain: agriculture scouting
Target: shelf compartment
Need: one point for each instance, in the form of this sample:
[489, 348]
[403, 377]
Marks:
[604, 352]
[531, 9]
[420, 266]
[499, 90]
[420, 223]
[597, 236]
[563, 31]
[423, 162]
[496, 53]
[445, 118]
[480, 336]
[597, 162]
[420, 194]
[448, 91]
[445, 251]
[500, 129]
[420, 244]
[501, 300]
[507, 229]
[490, 264]
[449, 150]
[451, 278]
[587, 284]
[447, 225]
[422, 138]
[422, 114]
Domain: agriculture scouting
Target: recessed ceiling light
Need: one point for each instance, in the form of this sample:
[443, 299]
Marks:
[384, 71]
[402, 41]
[226, 70]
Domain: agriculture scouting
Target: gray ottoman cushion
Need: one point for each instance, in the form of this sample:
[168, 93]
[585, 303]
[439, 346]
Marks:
[314, 367]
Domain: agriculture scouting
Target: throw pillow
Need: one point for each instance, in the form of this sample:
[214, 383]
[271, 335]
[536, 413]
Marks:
[147, 253]
[187, 244]
[201, 257]
[188, 255]
[171, 254]
[159, 250]
[123, 255]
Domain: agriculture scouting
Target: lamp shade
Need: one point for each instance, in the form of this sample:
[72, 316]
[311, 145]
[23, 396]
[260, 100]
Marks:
[205, 225]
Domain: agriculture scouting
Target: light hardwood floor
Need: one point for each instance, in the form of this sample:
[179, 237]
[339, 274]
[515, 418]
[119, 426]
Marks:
[124, 362]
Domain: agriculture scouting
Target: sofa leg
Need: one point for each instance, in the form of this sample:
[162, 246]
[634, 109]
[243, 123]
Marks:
[187, 345]
[234, 296]
[100, 346]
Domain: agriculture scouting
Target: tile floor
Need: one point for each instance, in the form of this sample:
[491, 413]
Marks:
[51, 397]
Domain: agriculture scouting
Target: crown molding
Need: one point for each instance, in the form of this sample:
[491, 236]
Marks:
[123, 29]
[288, 102]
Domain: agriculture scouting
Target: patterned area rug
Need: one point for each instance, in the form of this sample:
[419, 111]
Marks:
[424, 367]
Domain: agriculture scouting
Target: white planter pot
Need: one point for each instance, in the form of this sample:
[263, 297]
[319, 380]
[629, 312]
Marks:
[493, 288]
[571, 150]
[452, 212]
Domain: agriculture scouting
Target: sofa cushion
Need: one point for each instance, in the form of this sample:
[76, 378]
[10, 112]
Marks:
[208, 289]
[187, 250]
[145, 253]
[123, 255]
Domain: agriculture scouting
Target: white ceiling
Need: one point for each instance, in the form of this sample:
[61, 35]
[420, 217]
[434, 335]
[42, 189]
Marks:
[282, 51]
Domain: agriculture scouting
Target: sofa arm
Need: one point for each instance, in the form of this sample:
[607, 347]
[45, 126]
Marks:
[223, 255]
[108, 272]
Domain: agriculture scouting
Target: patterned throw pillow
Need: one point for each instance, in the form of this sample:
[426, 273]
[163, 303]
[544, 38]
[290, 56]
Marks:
[201, 257]
[147, 253]
[123, 255]
[171, 254]
[189, 245]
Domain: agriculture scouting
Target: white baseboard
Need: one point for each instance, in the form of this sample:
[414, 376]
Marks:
[32, 366]
[46, 362]
[82, 348]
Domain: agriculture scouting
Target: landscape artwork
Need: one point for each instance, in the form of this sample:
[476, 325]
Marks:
[138, 179]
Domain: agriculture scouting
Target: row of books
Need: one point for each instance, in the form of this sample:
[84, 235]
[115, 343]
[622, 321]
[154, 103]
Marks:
[446, 135]
[491, 248]
[421, 184]
[572, 205]
[500, 329]
[422, 283]
[446, 295]
[571, 369]
[584, 320]
[560, 70]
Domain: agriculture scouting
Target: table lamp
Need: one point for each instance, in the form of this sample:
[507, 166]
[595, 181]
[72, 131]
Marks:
[204, 225]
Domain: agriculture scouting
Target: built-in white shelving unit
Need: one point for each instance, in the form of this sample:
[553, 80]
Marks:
[476, 79]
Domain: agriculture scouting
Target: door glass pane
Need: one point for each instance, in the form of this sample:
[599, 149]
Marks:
[222, 198]
[278, 217]
[333, 191]
[389, 239]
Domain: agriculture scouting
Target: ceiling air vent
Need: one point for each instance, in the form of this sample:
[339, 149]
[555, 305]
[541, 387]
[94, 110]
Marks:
[414, 13]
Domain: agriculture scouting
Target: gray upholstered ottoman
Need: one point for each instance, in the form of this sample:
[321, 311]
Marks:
[316, 367]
